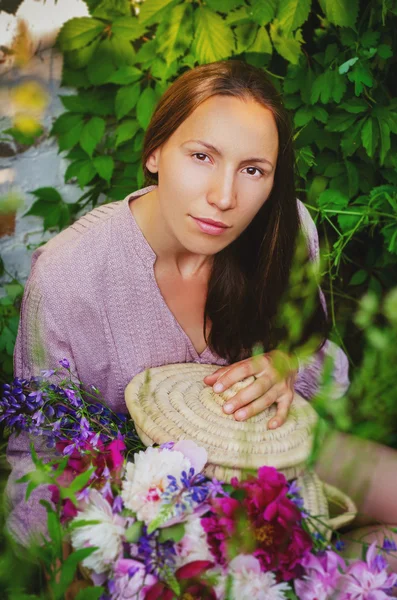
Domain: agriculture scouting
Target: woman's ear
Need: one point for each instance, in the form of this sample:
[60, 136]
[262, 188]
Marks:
[153, 161]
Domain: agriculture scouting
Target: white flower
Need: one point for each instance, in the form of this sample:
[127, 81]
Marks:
[147, 478]
[250, 583]
[107, 534]
[193, 545]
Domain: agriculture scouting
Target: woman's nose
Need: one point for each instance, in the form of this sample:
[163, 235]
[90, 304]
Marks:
[223, 193]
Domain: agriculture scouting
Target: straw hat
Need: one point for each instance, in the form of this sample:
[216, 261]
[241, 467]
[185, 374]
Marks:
[172, 402]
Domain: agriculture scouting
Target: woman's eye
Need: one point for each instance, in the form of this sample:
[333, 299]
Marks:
[252, 168]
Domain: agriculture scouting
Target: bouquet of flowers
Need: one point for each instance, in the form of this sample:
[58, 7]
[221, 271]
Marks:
[147, 524]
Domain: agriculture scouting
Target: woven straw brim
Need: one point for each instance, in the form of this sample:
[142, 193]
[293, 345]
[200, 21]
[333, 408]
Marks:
[176, 404]
[172, 402]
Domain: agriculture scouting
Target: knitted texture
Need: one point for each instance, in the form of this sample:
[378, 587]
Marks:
[92, 298]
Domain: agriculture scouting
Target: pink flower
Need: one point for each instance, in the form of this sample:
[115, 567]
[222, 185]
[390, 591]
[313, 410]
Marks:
[130, 580]
[368, 580]
[273, 522]
[322, 576]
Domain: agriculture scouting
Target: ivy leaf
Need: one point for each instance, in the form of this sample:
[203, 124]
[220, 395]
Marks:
[344, 67]
[126, 75]
[303, 116]
[288, 47]
[213, 40]
[359, 277]
[104, 166]
[341, 12]
[83, 170]
[92, 134]
[361, 77]
[126, 130]
[332, 199]
[90, 102]
[128, 28]
[65, 123]
[175, 33]
[78, 32]
[351, 139]
[151, 12]
[69, 138]
[292, 14]
[109, 9]
[47, 194]
[263, 12]
[340, 122]
[384, 131]
[355, 105]
[262, 43]
[369, 136]
[126, 99]
[385, 51]
[145, 107]
[352, 178]
[78, 59]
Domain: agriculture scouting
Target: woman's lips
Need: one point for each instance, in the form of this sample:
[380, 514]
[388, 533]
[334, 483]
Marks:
[211, 229]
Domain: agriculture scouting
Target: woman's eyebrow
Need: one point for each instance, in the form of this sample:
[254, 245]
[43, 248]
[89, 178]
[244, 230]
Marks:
[214, 149]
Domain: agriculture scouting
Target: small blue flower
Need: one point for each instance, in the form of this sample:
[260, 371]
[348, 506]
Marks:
[389, 545]
[65, 363]
[339, 545]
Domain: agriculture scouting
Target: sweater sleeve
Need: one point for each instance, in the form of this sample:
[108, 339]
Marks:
[40, 344]
[309, 374]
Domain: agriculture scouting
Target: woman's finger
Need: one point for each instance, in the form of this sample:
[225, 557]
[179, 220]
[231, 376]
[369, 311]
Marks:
[263, 386]
[240, 371]
[283, 406]
[257, 406]
[212, 377]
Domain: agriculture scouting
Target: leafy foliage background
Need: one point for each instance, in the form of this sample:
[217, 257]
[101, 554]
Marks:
[333, 60]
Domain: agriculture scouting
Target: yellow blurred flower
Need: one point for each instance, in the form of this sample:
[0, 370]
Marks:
[30, 96]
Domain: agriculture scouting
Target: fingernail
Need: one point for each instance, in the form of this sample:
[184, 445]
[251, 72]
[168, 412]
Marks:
[228, 408]
[218, 387]
[274, 424]
[241, 414]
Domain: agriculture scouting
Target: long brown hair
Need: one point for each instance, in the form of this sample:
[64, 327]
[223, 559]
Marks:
[249, 277]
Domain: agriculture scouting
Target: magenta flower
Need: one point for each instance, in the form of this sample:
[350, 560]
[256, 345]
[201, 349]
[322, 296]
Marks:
[277, 538]
[368, 580]
[322, 576]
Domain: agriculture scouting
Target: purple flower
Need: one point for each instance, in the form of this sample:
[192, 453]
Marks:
[131, 580]
[369, 579]
[389, 545]
[322, 576]
[65, 363]
[48, 373]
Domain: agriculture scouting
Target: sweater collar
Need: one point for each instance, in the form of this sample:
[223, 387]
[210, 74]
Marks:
[142, 246]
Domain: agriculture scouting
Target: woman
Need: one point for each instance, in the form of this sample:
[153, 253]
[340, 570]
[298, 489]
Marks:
[147, 281]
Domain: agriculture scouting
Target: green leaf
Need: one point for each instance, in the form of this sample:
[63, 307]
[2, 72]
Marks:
[84, 170]
[90, 593]
[303, 116]
[104, 166]
[174, 533]
[134, 532]
[333, 199]
[69, 567]
[359, 277]
[174, 35]
[292, 14]
[245, 36]
[47, 194]
[351, 139]
[385, 51]
[355, 105]
[78, 59]
[146, 104]
[92, 134]
[361, 77]
[224, 6]
[369, 136]
[384, 139]
[369, 38]
[340, 122]
[125, 75]
[126, 99]
[123, 52]
[341, 12]
[262, 43]
[348, 222]
[93, 102]
[149, 12]
[263, 12]
[213, 40]
[128, 28]
[344, 67]
[109, 9]
[126, 130]
[65, 122]
[69, 138]
[78, 32]
[352, 178]
[288, 47]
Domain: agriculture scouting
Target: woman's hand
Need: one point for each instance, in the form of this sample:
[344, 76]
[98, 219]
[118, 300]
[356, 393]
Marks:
[275, 374]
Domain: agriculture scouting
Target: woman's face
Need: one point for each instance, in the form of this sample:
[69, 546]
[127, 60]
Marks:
[228, 185]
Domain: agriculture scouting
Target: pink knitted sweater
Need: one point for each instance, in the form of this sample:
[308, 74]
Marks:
[92, 297]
